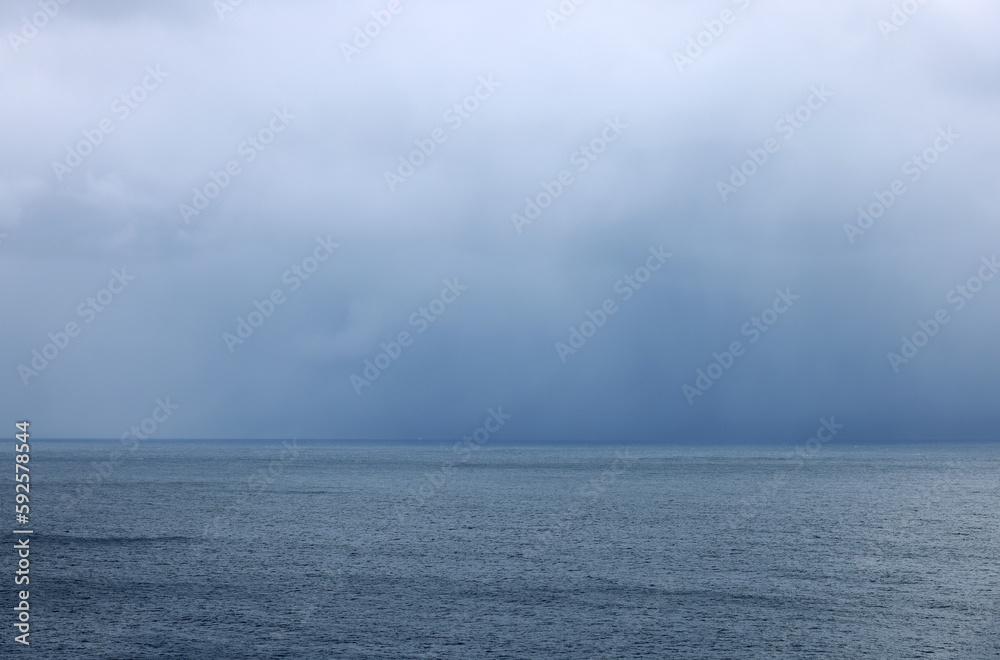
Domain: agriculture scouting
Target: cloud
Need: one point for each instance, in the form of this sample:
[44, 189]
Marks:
[657, 184]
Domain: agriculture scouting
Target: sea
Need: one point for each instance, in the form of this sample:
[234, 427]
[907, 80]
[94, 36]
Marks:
[305, 549]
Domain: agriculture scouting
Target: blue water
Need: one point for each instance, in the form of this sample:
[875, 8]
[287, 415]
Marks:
[254, 550]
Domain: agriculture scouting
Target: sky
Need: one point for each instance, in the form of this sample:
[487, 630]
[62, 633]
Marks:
[219, 219]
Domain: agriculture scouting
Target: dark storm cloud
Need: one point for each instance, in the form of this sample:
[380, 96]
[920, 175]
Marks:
[550, 92]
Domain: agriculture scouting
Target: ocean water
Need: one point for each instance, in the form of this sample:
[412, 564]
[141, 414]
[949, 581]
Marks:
[183, 550]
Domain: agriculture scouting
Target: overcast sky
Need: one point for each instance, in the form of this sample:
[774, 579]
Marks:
[313, 117]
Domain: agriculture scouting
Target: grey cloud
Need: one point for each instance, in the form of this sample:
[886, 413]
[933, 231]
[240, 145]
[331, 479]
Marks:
[657, 185]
